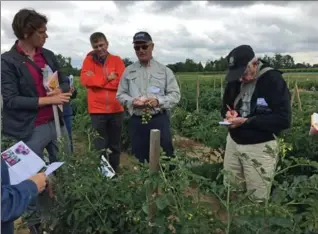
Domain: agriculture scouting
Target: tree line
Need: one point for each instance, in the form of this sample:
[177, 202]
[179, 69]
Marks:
[218, 65]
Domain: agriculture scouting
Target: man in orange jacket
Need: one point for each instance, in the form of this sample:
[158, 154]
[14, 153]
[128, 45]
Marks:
[101, 73]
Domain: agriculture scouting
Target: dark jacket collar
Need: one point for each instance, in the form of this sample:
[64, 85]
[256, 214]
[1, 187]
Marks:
[47, 55]
[98, 59]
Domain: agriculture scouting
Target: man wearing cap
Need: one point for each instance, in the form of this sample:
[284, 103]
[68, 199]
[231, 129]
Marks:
[148, 83]
[256, 102]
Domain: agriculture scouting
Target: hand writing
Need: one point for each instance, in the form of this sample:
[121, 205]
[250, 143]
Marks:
[236, 122]
[231, 114]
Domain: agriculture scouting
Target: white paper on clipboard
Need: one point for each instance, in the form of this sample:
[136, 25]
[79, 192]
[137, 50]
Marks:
[23, 163]
[224, 123]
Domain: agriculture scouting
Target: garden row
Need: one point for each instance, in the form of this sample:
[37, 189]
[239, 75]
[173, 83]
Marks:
[307, 81]
[292, 70]
[87, 202]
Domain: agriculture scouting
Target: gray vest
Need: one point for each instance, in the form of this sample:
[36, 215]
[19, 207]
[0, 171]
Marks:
[247, 91]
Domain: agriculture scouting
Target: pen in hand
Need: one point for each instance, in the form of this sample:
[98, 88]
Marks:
[230, 110]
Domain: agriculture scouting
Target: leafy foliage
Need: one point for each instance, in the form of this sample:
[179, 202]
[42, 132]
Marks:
[87, 202]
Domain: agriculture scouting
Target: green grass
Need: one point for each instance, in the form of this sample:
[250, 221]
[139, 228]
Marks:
[294, 76]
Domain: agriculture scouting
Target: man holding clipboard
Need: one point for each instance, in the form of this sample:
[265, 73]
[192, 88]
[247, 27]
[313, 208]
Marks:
[256, 108]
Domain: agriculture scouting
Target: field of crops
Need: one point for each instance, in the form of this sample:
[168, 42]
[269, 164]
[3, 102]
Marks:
[304, 80]
[192, 199]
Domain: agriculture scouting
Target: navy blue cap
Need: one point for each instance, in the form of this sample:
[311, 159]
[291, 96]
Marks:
[238, 60]
[142, 37]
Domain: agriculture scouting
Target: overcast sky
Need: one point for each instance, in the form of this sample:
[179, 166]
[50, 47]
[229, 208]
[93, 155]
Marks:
[200, 30]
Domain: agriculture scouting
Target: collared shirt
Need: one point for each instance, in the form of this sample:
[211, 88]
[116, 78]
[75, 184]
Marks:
[152, 81]
[45, 114]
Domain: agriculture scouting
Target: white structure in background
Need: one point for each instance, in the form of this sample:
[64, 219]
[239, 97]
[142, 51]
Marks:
[71, 78]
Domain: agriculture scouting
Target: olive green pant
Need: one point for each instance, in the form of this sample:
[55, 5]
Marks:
[249, 167]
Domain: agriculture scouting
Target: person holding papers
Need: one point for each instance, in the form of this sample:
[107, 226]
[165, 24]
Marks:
[28, 114]
[16, 198]
[256, 103]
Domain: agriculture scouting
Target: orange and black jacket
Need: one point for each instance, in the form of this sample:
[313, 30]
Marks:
[101, 93]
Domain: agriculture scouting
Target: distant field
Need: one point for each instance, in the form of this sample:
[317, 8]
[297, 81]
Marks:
[293, 76]
[304, 80]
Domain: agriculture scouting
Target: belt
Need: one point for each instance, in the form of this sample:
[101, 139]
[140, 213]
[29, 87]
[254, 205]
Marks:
[153, 116]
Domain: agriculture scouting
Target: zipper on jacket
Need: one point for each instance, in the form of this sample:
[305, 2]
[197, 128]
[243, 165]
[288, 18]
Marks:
[106, 73]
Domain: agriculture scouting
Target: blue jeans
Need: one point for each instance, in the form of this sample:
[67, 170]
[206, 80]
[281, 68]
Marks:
[68, 123]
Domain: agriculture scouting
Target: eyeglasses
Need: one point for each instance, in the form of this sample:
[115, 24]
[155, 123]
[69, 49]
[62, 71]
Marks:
[143, 47]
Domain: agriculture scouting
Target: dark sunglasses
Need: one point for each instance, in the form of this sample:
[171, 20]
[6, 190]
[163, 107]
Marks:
[143, 47]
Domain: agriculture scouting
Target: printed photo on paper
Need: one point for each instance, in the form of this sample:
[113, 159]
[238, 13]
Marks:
[10, 157]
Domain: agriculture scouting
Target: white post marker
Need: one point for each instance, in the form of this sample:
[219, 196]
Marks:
[57, 122]
[52, 77]
[71, 78]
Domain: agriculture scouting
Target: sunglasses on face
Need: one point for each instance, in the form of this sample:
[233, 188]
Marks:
[143, 47]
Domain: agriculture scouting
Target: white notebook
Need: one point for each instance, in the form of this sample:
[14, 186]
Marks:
[24, 163]
[314, 120]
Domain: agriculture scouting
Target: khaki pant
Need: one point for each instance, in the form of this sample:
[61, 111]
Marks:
[248, 166]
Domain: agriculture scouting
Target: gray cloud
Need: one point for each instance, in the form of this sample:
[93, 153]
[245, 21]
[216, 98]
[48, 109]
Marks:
[290, 36]
[167, 6]
[55, 28]
[234, 4]
[266, 34]
[38, 5]
[125, 4]
[109, 19]
[193, 30]
[86, 28]
[7, 28]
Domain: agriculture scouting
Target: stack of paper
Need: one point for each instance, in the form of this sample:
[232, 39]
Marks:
[106, 168]
[24, 163]
[51, 80]
[314, 121]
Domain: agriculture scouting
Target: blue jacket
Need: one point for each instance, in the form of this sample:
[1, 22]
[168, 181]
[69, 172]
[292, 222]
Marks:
[14, 199]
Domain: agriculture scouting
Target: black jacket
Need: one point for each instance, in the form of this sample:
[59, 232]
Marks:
[263, 121]
[20, 98]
